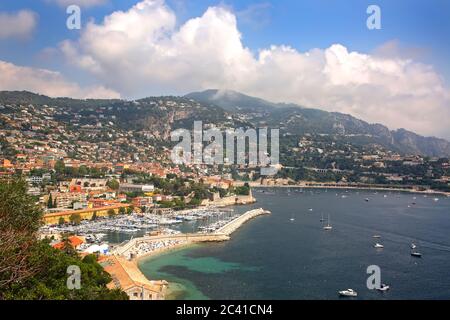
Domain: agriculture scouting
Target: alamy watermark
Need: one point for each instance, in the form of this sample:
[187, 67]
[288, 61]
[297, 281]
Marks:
[190, 151]
[374, 20]
[73, 22]
[374, 280]
[74, 279]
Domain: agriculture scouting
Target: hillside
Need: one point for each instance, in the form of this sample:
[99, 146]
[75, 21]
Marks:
[156, 117]
[296, 120]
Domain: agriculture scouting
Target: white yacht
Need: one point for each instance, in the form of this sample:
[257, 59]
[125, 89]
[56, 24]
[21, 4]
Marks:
[348, 293]
[328, 227]
[383, 288]
[378, 246]
[416, 254]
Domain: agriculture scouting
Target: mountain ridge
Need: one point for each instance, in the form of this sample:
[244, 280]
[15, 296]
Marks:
[403, 140]
[290, 118]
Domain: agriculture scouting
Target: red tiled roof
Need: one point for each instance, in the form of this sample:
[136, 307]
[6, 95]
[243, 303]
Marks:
[74, 241]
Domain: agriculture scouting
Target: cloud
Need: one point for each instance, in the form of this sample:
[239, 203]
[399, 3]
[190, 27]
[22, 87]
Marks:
[81, 3]
[47, 82]
[17, 25]
[395, 49]
[142, 51]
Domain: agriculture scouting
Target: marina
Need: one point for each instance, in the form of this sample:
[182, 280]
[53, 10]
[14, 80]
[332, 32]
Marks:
[203, 220]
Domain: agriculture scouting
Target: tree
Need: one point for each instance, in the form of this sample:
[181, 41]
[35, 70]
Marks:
[20, 220]
[111, 213]
[130, 210]
[122, 210]
[50, 201]
[113, 184]
[61, 221]
[82, 171]
[30, 269]
[60, 167]
[75, 218]
[94, 216]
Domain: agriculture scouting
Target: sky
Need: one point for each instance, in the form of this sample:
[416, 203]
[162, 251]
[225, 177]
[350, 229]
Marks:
[316, 53]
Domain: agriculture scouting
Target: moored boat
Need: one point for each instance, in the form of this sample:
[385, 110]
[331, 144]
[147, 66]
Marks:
[348, 293]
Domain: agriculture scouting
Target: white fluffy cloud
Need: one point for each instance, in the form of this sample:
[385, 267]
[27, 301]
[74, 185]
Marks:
[81, 3]
[47, 82]
[18, 24]
[142, 51]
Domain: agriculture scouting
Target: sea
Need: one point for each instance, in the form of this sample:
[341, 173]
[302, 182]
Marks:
[288, 254]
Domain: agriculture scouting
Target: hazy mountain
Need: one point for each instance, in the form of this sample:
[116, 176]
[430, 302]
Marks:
[235, 101]
[296, 120]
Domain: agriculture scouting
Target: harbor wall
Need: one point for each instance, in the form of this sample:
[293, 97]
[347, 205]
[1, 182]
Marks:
[233, 225]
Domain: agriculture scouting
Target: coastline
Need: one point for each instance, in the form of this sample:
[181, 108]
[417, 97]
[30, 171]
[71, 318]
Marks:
[426, 192]
[223, 234]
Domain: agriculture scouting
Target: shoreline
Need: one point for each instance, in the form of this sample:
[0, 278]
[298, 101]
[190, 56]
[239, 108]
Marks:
[427, 192]
[223, 234]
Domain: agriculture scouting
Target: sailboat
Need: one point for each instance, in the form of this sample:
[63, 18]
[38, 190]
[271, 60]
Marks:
[414, 252]
[328, 227]
[322, 219]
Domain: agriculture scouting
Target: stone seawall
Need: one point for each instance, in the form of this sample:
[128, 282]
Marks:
[232, 226]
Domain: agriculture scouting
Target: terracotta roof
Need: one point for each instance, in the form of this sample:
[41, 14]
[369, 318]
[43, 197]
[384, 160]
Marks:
[74, 241]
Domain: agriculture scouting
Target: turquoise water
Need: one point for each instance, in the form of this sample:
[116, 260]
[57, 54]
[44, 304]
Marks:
[183, 288]
[272, 257]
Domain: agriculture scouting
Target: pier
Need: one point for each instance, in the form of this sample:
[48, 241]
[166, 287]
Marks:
[232, 226]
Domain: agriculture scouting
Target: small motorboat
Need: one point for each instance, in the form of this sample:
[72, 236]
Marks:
[377, 236]
[416, 254]
[367, 199]
[383, 288]
[378, 246]
[348, 293]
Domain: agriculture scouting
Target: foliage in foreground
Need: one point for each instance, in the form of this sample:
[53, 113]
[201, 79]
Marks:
[30, 268]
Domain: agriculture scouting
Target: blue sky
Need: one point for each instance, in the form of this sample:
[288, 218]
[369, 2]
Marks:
[316, 53]
[303, 24]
